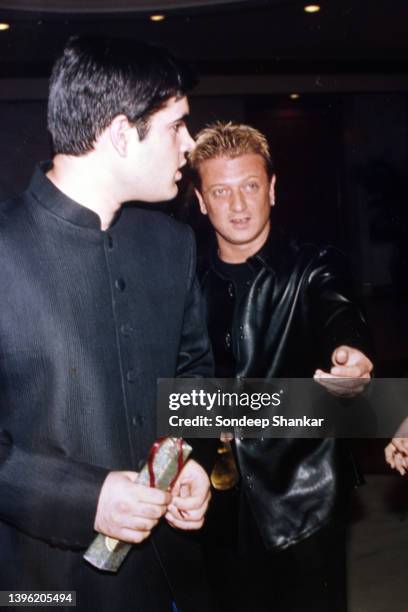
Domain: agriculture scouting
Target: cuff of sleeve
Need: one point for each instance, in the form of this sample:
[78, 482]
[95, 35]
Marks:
[49, 496]
[73, 510]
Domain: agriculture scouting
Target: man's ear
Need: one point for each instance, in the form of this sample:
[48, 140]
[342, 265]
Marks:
[120, 131]
[272, 190]
[200, 199]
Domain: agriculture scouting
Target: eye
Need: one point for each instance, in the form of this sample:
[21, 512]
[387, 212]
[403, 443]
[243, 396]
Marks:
[251, 187]
[219, 192]
[177, 126]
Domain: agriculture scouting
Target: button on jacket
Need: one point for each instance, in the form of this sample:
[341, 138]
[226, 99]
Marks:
[88, 321]
[297, 310]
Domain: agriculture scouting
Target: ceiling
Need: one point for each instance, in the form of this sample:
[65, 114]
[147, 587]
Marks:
[253, 36]
[99, 6]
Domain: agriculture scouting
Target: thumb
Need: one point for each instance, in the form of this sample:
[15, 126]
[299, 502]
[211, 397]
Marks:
[340, 356]
[133, 476]
[184, 490]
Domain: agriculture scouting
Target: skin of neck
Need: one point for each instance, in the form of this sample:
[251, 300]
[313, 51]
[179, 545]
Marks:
[89, 180]
[238, 253]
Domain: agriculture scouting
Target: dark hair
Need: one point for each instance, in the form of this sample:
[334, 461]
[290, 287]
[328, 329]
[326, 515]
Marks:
[96, 79]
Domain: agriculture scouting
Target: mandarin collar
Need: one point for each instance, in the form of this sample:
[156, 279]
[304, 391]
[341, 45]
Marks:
[58, 203]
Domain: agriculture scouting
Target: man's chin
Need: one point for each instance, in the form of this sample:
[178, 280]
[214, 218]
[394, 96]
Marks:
[172, 193]
[163, 196]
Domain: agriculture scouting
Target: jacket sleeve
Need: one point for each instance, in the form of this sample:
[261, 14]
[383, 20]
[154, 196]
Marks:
[195, 358]
[336, 317]
[40, 494]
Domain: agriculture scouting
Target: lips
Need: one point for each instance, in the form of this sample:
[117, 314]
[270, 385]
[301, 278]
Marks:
[178, 174]
[240, 221]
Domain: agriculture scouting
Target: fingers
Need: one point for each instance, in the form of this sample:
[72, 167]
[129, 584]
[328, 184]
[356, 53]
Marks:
[399, 463]
[191, 503]
[139, 523]
[401, 444]
[137, 531]
[182, 523]
[389, 452]
[191, 495]
[132, 536]
[348, 361]
[396, 460]
[341, 381]
[148, 511]
[340, 355]
[339, 386]
[350, 373]
[356, 371]
[151, 495]
[128, 511]
[192, 482]
[188, 519]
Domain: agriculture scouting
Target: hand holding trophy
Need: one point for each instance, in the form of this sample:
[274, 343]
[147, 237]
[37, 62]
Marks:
[167, 458]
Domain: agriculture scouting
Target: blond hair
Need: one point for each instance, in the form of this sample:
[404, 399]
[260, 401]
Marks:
[221, 139]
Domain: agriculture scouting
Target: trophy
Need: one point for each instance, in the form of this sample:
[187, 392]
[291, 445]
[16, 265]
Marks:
[167, 458]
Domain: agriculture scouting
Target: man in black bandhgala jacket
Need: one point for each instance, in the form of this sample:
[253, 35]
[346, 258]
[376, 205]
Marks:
[98, 302]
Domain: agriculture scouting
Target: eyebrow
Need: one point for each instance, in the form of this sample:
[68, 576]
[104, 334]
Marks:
[217, 185]
[181, 118]
[225, 183]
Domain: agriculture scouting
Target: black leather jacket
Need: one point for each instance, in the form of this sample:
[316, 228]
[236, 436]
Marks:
[296, 311]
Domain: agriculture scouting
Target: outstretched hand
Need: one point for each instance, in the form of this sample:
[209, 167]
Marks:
[349, 374]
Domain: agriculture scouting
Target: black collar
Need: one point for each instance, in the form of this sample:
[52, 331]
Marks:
[58, 203]
[270, 255]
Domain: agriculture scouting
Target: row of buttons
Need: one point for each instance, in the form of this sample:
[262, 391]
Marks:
[126, 330]
[119, 282]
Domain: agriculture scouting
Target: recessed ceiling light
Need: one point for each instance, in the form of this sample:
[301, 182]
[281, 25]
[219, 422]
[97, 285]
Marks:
[4, 26]
[294, 96]
[312, 8]
[157, 17]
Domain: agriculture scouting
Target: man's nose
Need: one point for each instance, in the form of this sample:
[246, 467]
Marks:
[188, 143]
[237, 202]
